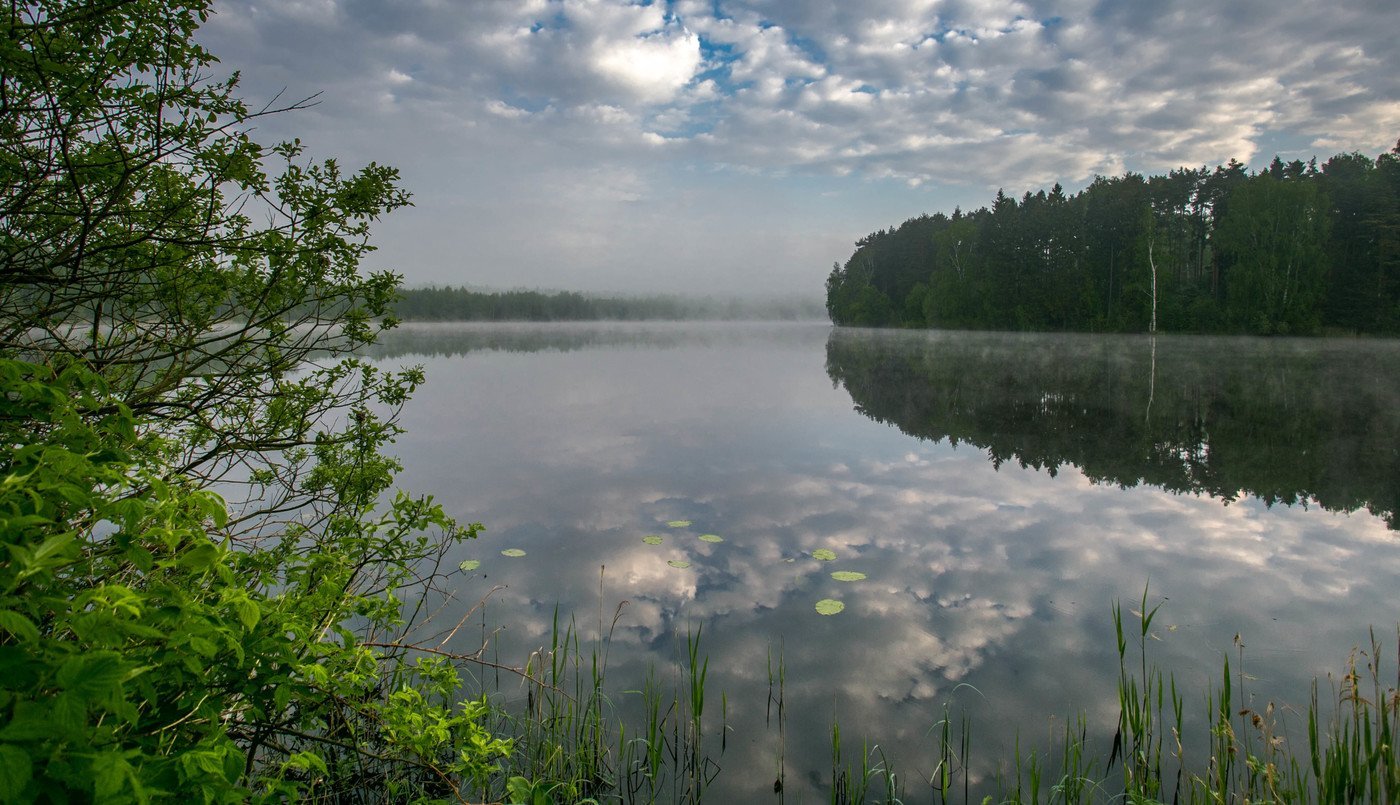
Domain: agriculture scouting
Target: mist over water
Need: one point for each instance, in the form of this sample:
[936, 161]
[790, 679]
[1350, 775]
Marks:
[999, 492]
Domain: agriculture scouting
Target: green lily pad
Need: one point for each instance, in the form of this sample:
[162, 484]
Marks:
[512, 552]
[711, 538]
[678, 523]
[680, 563]
[470, 565]
[829, 606]
[847, 575]
[652, 539]
[823, 555]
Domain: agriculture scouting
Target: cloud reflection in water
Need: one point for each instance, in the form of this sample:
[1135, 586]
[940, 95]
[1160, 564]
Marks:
[1000, 578]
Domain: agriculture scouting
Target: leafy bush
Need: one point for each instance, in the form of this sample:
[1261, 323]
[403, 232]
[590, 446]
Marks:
[159, 353]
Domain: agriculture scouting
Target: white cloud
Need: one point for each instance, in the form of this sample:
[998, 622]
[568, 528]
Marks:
[958, 97]
[654, 68]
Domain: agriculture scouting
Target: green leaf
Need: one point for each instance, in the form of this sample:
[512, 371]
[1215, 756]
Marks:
[203, 647]
[200, 556]
[48, 554]
[31, 721]
[111, 772]
[69, 714]
[143, 559]
[469, 565]
[519, 789]
[512, 552]
[829, 606]
[16, 769]
[823, 555]
[711, 538]
[281, 697]
[306, 761]
[93, 675]
[19, 667]
[848, 575]
[680, 563]
[653, 539]
[249, 613]
[18, 625]
[678, 523]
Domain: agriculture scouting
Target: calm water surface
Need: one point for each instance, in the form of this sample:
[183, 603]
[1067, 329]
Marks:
[998, 491]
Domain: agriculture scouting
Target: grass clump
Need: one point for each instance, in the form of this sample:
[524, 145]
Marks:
[1345, 751]
[575, 740]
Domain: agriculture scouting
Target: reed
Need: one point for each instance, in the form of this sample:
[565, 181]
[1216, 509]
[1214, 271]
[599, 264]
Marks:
[1345, 754]
[1348, 754]
[576, 742]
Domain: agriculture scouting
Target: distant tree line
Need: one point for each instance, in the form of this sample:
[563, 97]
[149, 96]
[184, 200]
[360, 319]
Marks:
[437, 303]
[1295, 248]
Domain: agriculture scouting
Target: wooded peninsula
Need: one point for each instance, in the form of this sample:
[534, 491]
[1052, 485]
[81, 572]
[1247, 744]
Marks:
[1296, 248]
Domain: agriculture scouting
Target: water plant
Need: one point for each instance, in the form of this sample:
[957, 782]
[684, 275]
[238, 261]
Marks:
[574, 741]
[852, 783]
[777, 688]
[1247, 752]
[579, 741]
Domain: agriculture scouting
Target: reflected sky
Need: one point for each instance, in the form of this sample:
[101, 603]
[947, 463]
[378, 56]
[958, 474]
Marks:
[988, 588]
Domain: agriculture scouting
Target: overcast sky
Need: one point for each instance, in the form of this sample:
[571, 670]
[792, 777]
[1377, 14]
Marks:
[742, 146]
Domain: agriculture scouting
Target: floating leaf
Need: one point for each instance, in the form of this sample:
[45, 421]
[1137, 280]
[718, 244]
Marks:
[678, 523]
[823, 555]
[681, 563]
[652, 539]
[847, 575]
[711, 538]
[512, 552]
[829, 606]
[470, 565]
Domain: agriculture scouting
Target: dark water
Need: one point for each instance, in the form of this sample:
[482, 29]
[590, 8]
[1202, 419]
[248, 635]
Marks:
[998, 491]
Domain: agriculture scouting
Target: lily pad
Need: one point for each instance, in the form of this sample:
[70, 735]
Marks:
[470, 565]
[823, 555]
[848, 575]
[829, 606]
[678, 523]
[711, 538]
[512, 552]
[652, 539]
[680, 563]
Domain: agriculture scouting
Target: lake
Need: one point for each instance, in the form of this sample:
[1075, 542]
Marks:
[999, 492]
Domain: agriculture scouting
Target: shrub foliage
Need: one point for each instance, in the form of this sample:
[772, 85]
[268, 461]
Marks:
[203, 570]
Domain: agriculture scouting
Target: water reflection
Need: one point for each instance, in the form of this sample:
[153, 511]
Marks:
[1285, 421]
[995, 524]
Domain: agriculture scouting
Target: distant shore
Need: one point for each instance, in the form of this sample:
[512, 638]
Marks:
[438, 303]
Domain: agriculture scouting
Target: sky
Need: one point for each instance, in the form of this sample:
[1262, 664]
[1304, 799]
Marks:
[741, 147]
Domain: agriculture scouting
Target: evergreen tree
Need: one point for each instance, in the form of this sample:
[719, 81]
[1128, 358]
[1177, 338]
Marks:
[1295, 249]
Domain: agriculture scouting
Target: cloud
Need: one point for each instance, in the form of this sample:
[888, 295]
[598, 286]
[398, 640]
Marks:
[937, 92]
[956, 98]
